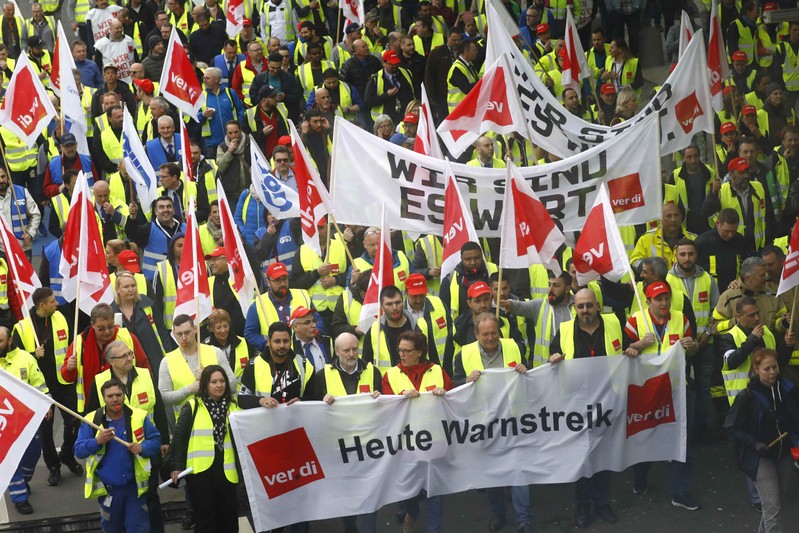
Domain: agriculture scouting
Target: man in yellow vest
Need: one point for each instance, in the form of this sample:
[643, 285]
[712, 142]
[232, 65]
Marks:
[462, 75]
[484, 147]
[660, 241]
[222, 294]
[347, 313]
[432, 319]
[347, 374]
[381, 344]
[472, 268]
[108, 144]
[480, 300]
[742, 33]
[274, 306]
[589, 334]
[44, 333]
[371, 239]
[118, 474]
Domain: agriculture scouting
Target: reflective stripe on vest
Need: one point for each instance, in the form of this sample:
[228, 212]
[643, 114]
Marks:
[380, 84]
[201, 450]
[142, 390]
[454, 94]
[544, 331]
[736, 379]
[122, 335]
[263, 375]
[613, 340]
[399, 381]
[321, 298]
[59, 332]
[435, 323]
[747, 42]
[335, 387]
[729, 199]
[700, 299]
[790, 68]
[180, 371]
[675, 329]
[299, 298]
[471, 359]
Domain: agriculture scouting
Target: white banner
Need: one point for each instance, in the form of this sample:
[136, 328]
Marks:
[554, 424]
[683, 102]
[412, 185]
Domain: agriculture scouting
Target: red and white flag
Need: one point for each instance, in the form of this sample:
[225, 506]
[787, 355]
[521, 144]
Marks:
[63, 83]
[234, 17]
[238, 266]
[25, 278]
[382, 276]
[179, 84]
[426, 141]
[718, 69]
[185, 150]
[686, 33]
[600, 251]
[26, 110]
[458, 224]
[491, 105]
[529, 235]
[193, 292]
[22, 409]
[315, 201]
[353, 11]
[790, 268]
[575, 64]
[83, 265]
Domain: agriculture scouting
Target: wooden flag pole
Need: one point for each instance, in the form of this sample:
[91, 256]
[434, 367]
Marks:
[499, 287]
[89, 422]
[638, 299]
[777, 440]
[346, 248]
[793, 309]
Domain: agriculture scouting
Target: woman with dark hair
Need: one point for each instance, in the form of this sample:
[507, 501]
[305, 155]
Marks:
[761, 414]
[203, 441]
[413, 375]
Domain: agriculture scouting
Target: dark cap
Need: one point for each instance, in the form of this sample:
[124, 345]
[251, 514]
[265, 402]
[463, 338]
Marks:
[352, 28]
[68, 139]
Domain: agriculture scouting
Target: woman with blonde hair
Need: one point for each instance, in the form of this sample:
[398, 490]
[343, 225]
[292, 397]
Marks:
[235, 347]
[626, 105]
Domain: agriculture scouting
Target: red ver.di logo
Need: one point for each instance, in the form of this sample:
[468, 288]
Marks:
[649, 405]
[285, 462]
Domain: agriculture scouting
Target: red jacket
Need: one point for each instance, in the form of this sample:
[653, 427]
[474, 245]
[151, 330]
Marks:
[415, 374]
[237, 80]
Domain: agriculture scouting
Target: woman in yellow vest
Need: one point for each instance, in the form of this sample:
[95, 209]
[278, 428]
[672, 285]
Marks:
[202, 441]
[235, 347]
[413, 375]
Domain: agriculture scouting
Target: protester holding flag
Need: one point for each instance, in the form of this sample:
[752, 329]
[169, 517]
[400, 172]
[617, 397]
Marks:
[411, 375]
[471, 268]
[401, 265]
[23, 366]
[662, 241]
[68, 159]
[44, 333]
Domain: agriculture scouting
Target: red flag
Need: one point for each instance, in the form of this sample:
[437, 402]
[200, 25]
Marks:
[25, 279]
[382, 276]
[789, 278]
[575, 64]
[26, 110]
[239, 267]
[426, 141]
[458, 224]
[55, 61]
[193, 292]
[314, 199]
[185, 150]
[23, 409]
[492, 104]
[83, 265]
[179, 84]
[718, 69]
[686, 33]
[529, 235]
[599, 250]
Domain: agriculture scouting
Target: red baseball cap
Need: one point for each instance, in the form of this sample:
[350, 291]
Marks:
[411, 118]
[416, 284]
[276, 271]
[607, 88]
[129, 260]
[727, 127]
[657, 288]
[299, 312]
[739, 55]
[145, 85]
[285, 140]
[770, 6]
[739, 164]
[478, 288]
[391, 57]
[218, 252]
[246, 22]
[542, 28]
[749, 110]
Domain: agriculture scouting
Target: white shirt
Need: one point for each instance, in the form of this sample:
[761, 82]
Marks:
[101, 20]
[318, 355]
[119, 53]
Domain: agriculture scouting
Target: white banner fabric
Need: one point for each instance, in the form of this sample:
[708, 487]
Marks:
[554, 424]
[368, 172]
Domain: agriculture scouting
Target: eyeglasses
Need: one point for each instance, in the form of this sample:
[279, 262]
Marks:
[103, 329]
[372, 232]
[588, 305]
[282, 160]
[403, 351]
[127, 355]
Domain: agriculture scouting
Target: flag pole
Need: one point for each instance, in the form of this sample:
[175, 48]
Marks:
[87, 421]
[499, 288]
[793, 309]
[338, 229]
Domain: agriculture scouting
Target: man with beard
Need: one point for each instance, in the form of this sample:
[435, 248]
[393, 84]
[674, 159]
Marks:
[472, 268]
[275, 306]
[589, 334]
[546, 313]
[394, 320]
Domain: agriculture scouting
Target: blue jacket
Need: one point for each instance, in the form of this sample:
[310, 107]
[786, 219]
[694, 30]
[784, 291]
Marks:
[90, 74]
[221, 63]
[228, 107]
[251, 220]
[156, 153]
[56, 176]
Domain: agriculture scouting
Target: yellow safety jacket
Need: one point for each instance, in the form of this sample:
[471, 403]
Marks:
[305, 75]
[324, 299]
[399, 381]
[736, 379]
[122, 335]
[471, 360]
[352, 308]
[454, 94]
[613, 340]
[730, 199]
[401, 271]
[263, 375]
[59, 331]
[437, 326]
[112, 146]
[335, 386]
[700, 299]
[438, 40]
[142, 395]
[672, 334]
[201, 450]
[747, 42]
[380, 84]
[19, 157]
[544, 331]
[298, 297]
[434, 253]
[180, 372]
[168, 282]
[790, 68]
[455, 291]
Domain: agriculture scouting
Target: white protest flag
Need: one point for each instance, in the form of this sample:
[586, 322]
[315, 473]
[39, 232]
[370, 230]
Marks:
[549, 427]
[575, 64]
[426, 141]
[179, 84]
[24, 275]
[529, 235]
[718, 69]
[683, 103]
[185, 149]
[82, 253]
[503, 17]
[491, 105]
[789, 277]
[412, 185]
[193, 291]
[600, 251]
[686, 33]
[71, 106]
[382, 276]
[241, 274]
[458, 224]
[137, 164]
[353, 11]
[22, 409]
[315, 202]
[279, 199]
[26, 109]
[234, 17]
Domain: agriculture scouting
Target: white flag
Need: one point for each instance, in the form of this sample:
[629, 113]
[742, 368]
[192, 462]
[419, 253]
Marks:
[458, 224]
[279, 199]
[426, 141]
[71, 105]
[137, 164]
[686, 33]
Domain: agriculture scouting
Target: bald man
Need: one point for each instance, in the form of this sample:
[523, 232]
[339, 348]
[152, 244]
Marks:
[112, 213]
[116, 49]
